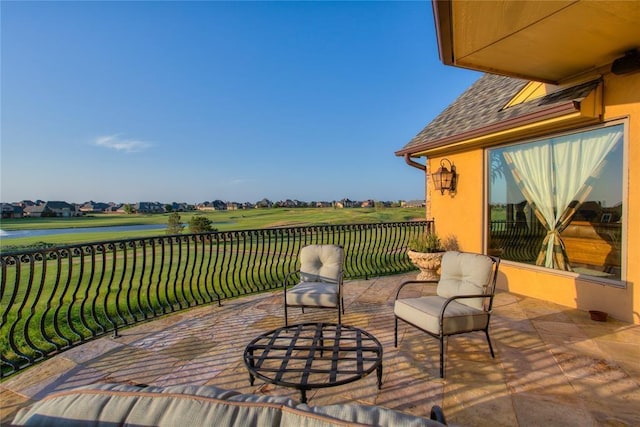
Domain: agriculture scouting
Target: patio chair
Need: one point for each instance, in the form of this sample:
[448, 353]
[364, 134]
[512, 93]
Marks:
[320, 280]
[463, 300]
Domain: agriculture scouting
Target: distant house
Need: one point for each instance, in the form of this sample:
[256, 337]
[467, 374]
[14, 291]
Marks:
[52, 209]
[11, 211]
[264, 203]
[289, 204]
[344, 203]
[412, 204]
[113, 208]
[92, 206]
[26, 203]
[206, 206]
[148, 207]
[180, 207]
[34, 211]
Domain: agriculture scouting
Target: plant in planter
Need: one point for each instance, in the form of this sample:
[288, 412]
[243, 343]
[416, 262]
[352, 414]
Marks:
[425, 252]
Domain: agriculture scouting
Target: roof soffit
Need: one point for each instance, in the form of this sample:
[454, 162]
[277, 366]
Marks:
[549, 41]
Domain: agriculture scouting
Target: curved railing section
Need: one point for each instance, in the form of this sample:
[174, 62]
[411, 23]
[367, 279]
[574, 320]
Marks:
[56, 298]
[516, 241]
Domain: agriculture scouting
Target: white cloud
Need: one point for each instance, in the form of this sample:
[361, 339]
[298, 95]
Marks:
[116, 142]
[240, 181]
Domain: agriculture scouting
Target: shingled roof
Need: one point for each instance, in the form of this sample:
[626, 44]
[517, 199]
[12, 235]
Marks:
[481, 109]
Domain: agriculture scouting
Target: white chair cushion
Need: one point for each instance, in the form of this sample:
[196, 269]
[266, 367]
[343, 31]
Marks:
[313, 294]
[464, 274]
[321, 263]
[424, 312]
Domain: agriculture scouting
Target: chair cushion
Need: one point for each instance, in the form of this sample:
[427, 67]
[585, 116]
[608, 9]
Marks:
[464, 274]
[321, 263]
[424, 312]
[313, 293]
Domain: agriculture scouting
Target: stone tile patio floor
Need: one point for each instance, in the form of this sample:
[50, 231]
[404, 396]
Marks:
[554, 366]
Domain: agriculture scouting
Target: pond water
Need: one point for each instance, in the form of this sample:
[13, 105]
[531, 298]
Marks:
[52, 231]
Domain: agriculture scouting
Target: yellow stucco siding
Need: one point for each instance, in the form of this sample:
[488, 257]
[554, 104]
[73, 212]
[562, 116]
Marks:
[567, 289]
[463, 215]
[622, 99]
[460, 214]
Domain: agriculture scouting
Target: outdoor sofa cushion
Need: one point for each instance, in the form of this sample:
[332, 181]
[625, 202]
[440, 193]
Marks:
[111, 405]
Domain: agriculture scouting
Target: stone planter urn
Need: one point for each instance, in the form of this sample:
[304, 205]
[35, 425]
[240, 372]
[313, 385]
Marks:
[428, 263]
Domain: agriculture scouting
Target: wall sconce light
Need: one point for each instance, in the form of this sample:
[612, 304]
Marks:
[445, 179]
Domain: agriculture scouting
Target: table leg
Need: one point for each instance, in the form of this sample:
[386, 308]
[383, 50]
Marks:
[252, 365]
[303, 395]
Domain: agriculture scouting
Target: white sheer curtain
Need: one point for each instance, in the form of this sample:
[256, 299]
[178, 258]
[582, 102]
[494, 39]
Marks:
[553, 176]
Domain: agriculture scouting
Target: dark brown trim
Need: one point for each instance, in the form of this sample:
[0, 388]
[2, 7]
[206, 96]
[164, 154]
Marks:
[413, 163]
[538, 116]
[444, 30]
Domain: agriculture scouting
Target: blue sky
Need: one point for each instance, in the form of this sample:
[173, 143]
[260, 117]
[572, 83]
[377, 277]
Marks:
[196, 101]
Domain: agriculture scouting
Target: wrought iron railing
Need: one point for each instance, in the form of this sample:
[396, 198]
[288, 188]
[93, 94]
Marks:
[56, 298]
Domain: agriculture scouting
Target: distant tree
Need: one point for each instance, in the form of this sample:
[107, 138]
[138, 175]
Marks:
[174, 226]
[168, 207]
[128, 208]
[200, 224]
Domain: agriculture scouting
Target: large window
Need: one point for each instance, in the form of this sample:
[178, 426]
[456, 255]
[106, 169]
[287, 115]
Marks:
[558, 202]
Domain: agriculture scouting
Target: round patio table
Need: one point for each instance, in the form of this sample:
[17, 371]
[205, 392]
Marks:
[313, 355]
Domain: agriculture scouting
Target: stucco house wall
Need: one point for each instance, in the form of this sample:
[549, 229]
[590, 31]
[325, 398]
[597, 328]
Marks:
[460, 214]
[463, 215]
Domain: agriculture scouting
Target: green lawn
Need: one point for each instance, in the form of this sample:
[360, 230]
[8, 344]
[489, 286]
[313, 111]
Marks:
[223, 221]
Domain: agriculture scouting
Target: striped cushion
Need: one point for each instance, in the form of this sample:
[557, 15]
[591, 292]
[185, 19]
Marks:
[313, 293]
[110, 405]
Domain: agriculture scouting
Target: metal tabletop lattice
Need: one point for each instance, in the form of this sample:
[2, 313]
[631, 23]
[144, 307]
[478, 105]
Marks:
[313, 355]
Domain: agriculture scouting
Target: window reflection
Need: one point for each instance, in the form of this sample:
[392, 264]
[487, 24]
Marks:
[557, 202]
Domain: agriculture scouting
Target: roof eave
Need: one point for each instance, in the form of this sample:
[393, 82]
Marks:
[554, 112]
[444, 30]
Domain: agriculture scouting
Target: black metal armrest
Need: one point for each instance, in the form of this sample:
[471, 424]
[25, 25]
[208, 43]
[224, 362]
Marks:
[285, 282]
[455, 297]
[437, 415]
[409, 282]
